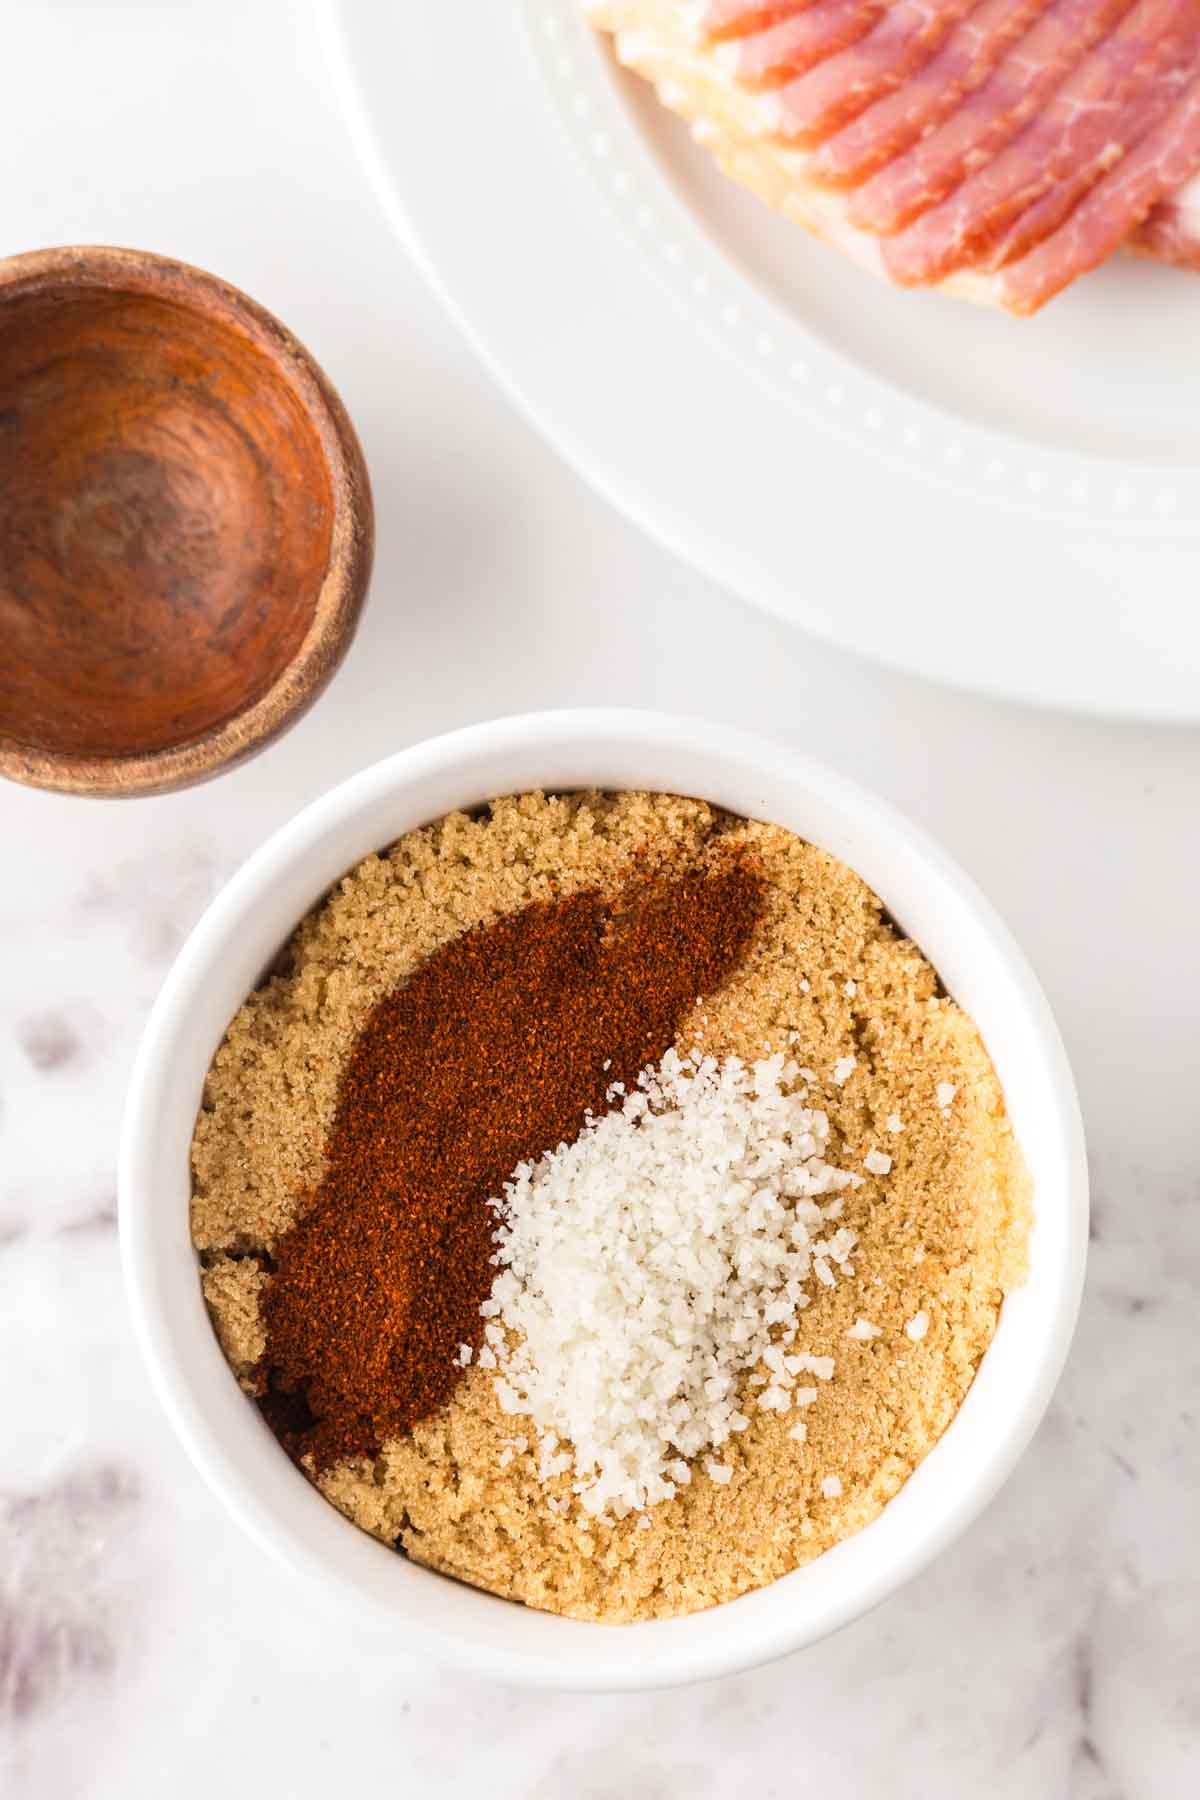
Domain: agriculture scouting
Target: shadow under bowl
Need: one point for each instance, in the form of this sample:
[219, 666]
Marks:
[186, 526]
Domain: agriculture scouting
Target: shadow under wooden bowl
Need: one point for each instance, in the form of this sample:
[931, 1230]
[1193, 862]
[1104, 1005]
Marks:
[186, 527]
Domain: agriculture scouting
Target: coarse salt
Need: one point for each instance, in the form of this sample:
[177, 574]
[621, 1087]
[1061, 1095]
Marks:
[831, 1486]
[894, 1122]
[917, 1326]
[946, 1091]
[878, 1162]
[843, 1069]
[864, 1331]
[646, 1268]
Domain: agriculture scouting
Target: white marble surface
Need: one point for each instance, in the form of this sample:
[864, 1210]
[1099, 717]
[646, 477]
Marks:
[145, 1648]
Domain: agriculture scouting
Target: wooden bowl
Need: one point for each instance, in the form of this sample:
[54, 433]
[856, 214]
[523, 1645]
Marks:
[186, 527]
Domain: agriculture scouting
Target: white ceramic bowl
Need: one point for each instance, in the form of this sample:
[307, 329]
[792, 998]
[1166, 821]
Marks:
[227, 954]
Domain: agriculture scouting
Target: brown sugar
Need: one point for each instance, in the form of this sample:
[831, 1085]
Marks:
[897, 1066]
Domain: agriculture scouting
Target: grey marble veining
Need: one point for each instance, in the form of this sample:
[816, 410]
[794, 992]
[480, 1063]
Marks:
[146, 1648]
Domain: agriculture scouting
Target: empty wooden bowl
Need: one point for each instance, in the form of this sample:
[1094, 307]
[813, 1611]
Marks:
[186, 527]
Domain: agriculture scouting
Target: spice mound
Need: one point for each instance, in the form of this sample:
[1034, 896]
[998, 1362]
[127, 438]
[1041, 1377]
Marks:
[603, 1203]
[498, 1048]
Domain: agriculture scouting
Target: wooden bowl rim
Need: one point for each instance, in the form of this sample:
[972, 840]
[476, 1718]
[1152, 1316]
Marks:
[351, 550]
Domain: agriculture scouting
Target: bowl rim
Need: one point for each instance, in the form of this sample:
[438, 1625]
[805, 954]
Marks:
[163, 1334]
[340, 600]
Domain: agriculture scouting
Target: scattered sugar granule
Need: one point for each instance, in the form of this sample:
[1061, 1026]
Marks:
[721, 1473]
[644, 1270]
[804, 987]
[464, 1355]
[799, 1432]
[843, 1069]
[918, 1255]
[851, 989]
[831, 1486]
[643, 1523]
[506, 1456]
[946, 1091]
[878, 1162]
[864, 1330]
[917, 1326]
[894, 1122]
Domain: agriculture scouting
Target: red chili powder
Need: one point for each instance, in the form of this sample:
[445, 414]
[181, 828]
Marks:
[492, 1053]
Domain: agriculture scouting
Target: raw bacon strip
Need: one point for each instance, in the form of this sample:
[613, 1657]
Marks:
[1162, 162]
[770, 58]
[1057, 203]
[1039, 207]
[828, 97]
[968, 57]
[718, 19]
[987, 119]
[1095, 116]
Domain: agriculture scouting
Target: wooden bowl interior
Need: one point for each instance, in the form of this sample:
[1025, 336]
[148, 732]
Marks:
[165, 523]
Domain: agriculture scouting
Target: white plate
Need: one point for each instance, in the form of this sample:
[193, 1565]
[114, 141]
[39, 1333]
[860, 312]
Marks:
[1009, 505]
